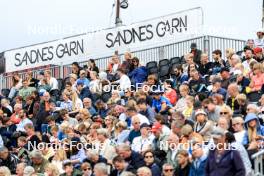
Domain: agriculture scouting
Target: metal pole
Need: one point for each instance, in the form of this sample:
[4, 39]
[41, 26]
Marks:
[118, 21]
[263, 14]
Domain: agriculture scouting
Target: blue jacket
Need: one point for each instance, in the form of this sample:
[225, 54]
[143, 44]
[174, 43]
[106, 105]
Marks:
[200, 171]
[138, 75]
[260, 128]
[230, 164]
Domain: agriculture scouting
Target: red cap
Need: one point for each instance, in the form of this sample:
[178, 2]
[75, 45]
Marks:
[257, 50]
[156, 126]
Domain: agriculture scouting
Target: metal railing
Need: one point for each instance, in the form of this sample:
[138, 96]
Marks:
[205, 43]
[258, 163]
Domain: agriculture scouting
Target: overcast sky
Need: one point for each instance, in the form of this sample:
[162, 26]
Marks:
[26, 22]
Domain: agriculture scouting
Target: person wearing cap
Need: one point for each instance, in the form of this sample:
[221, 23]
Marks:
[144, 141]
[217, 89]
[39, 163]
[258, 52]
[259, 42]
[202, 125]
[223, 160]
[159, 102]
[82, 91]
[8, 159]
[83, 76]
[196, 53]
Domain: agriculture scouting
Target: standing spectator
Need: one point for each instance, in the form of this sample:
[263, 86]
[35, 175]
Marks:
[76, 68]
[113, 64]
[124, 80]
[218, 61]
[127, 64]
[92, 66]
[196, 53]
[51, 80]
[139, 73]
[222, 161]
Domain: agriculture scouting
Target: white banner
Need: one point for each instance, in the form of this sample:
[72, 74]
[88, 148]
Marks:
[142, 35]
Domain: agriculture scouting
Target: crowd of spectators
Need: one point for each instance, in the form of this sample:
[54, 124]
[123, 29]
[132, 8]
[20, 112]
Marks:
[205, 118]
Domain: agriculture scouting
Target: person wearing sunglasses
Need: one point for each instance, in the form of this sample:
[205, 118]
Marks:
[238, 126]
[86, 169]
[167, 170]
[227, 113]
[149, 159]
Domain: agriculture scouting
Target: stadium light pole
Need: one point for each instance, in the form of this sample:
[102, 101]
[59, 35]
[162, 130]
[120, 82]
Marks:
[123, 4]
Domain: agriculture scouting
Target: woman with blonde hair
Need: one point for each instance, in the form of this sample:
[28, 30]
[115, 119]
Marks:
[257, 80]
[4, 171]
[181, 103]
[121, 132]
[52, 170]
[229, 52]
[242, 102]
[59, 157]
[76, 102]
[115, 98]
[85, 116]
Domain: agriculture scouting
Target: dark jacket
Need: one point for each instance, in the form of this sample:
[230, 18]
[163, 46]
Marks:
[197, 56]
[135, 161]
[235, 106]
[138, 75]
[206, 69]
[11, 162]
[85, 93]
[115, 171]
[183, 172]
[155, 169]
[230, 164]
[200, 171]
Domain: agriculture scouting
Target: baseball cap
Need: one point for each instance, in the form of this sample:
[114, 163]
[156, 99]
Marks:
[260, 30]
[193, 45]
[224, 69]
[144, 125]
[80, 82]
[41, 92]
[200, 111]
[257, 50]
[156, 126]
[218, 133]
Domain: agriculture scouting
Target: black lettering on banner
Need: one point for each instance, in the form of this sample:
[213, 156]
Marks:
[128, 36]
[44, 53]
[117, 39]
[66, 50]
[108, 39]
[18, 60]
[33, 56]
[50, 53]
[60, 48]
[25, 58]
[142, 34]
[80, 46]
[160, 29]
[149, 31]
[134, 32]
[73, 48]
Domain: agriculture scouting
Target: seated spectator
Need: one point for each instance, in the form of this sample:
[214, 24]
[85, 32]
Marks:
[121, 132]
[170, 93]
[32, 139]
[14, 117]
[243, 103]
[223, 123]
[144, 171]
[159, 102]
[83, 78]
[234, 60]
[179, 75]
[92, 66]
[257, 80]
[146, 110]
[167, 170]
[70, 170]
[206, 67]
[43, 84]
[238, 126]
[25, 90]
[66, 103]
[120, 166]
[181, 103]
[82, 92]
[189, 107]
[196, 82]
[227, 113]
[115, 98]
[58, 158]
[5, 171]
[252, 108]
[86, 169]
[203, 126]
[71, 85]
[242, 81]
[144, 141]
[132, 111]
[184, 164]
[217, 89]
[212, 110]
[51, 80]
[218, 99]
[87, 103]
[65, 116]
[135, 131]
[51, 170]
[76, 68]
[20, 169]
[225, 76]
[16, 85]
[218, 61]
[149, 160]
[113, 64]
[124, 81]
[23, 121]
[8, 159]
[258, 54]
[139, 73]
[231, 100]
[77, 154]
[173, 150]
[249, 59]
[94, 85]
[6, 104]
[39, 163]
[134, 159]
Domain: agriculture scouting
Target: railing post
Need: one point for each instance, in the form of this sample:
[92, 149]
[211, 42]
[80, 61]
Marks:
[61, 70]
[161, 53]
[1, 82]
[206, 44]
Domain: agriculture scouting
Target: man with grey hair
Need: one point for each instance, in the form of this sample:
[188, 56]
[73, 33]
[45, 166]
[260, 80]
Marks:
[39, 163]
[167, 169]
[93, 157]
[106, 147]
[100, 169]
[134, 159]
[20, 169]
[144, 171]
